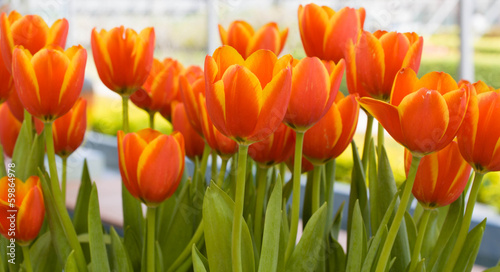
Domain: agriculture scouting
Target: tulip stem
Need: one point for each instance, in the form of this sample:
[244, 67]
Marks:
[238, 207]
[330, 182]
[204, 160]
[187, 250]
[464, 228]
[415, 256]
[49, 141]
[3, 172]
[150, 246]
[64, 176]
[27, 258]
[393, 231]
[259, 204]
[282, 169]
[152, 119]
[297, 169]
[213, 176]
[125, 113]
[29, 124]
[380, 138]
[222, 173]
[366, 144]
[316, 189]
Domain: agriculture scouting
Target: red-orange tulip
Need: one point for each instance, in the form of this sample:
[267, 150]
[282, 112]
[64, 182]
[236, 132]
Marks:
[180, 122]
[441, 176]
[372, 64]
[325, 33]
[246, 41]
[192, 83]
[314, 89]
[15, 106]
[151, 164]
[247, 99]
[222, 145]
[31, 32]
[28, 206]
[9, 130]
[479, 136]
[123, 58]
[333, 133]
[275, 148]
[423, 115]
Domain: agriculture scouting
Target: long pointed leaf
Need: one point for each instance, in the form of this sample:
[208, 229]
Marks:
[357, 246]
[358, 192]
[98, 254]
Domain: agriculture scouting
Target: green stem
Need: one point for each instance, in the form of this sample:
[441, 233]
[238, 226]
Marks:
[187, 250]
[214, 165]
[297, 167]
[27, 258]
[380, 138]
[464, 228]
[330, 181]
[150, 242]
[222, 173]
[204, 161]
[125, 113]
[29, 124]
[64, 176]
[368, 136]
[152, 119]
[393, 231]
[282, 169]
[415, 256]
[49, 141]
[259, 204]
[3, 172]
[238, 207]
[316, 189]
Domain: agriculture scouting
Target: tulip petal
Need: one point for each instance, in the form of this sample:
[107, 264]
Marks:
[216, 106]
[30, 216]
[488, 128]
[102, 58]
[395, 46]
[25, 79]
[406, 82]
[261, 63]
[31, 32]
[457, 102]
[341, 28]
[224, 57]
[349, 111]
[440, 81]
[313, 21]
[130, 147]
[386, 114]
[414, 54]
[370, 64]
[74, 76]
[58, 33]
[223, 34]
[267, 37]
[239, 34]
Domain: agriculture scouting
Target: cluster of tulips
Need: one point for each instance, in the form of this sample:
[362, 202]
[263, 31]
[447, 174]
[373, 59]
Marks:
[245, 102]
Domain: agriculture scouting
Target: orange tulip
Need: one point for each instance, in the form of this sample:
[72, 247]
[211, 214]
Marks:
[9, 130]
[372, 64]
[151, 164]
[192, 83]
[31, 32]
[333, 133]
[479, 136]
[246, 41]
[15, 106]
[161, 87]
[325, 33]
[222, 145]
[123, 58]
[6, 85]
[247, 99]
[180, 122]
[314, 89]
[28, 210]
[423, 115]
[275, 148]
[441, 176]
[49, 83]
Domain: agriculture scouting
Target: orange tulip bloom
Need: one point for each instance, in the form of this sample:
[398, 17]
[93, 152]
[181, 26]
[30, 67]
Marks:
[123, 58]
[6, 85]
[29, 209]
[31, 32]
[275, 148]
[325, 33]
[423, 115]
[247, 99]
[246, 41]
[333, 133]
[180, 121]
[192, 83]
[15, 105]
[222, 145]
[479, 136]
[151, 164]
[372, 64]
[314, 88]
[441, 176]
[9, 130]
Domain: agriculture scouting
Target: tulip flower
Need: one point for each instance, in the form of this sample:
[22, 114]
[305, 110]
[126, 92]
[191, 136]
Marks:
[151, 164]
[328, 138]
[191, 85]
[6, 85]
[246, 41]
[49, 83]
[435, 98]
[441, 176]
[15, 105]
[31, 32]
[9, 130]
[275, 148]
[374, 61]
[28, 210]
[247, 99]
[325, 33]
[180, 122]
[314, 89]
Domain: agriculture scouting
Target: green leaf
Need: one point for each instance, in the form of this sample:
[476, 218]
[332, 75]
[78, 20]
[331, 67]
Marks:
[200, 263]
[493, 269]
[335, 254]
[357, 243]
[133, 222]
[71, 265]
[22, 148]
[271, 238]
[284, 234]
[287, 191]
[130, 241]
[337, 221]
[118, 255]
[160, 264]
[306, 205]
[306, 255]
[43, 256]
[80, 218]
[471, 248]
[98, 254]
[218, 223]
[411, 229]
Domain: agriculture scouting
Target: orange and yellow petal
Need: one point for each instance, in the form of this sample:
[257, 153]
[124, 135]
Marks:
[313, 21]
